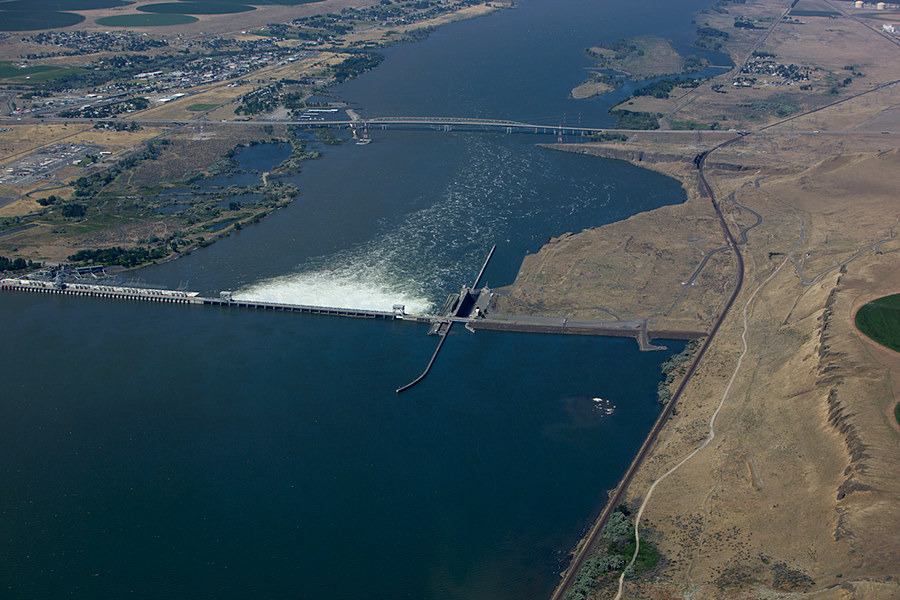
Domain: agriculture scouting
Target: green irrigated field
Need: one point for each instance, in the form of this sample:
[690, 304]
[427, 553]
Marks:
[7, 70]
[814, 13]
[30, 15]
[263, 2]
[57, 5]
[278, 2]
[880, 320]
[31, 20]
[34, 74]
[195, 8]
[146, 20]
[201, 107]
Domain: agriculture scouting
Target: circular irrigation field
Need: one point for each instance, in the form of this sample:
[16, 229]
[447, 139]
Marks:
[880, 320]
[32, 15]
[29, 20]
[145, 20]
[195, 8]
[61, 5]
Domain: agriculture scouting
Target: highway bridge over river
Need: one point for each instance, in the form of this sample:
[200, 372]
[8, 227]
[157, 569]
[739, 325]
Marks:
[448, 124]
[454, 124]
[385, 123]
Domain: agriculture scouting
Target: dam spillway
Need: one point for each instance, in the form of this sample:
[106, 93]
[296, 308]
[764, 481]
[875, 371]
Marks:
[183, 297]
[469, 307]
[314, 310]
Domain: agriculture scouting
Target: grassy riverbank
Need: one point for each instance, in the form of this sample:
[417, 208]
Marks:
[125, 204]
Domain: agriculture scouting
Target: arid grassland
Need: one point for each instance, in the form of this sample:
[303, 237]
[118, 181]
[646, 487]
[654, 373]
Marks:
[797, 492]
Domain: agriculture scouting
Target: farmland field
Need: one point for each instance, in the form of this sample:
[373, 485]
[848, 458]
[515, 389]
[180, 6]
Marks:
[195, 8]
[880, 320]
[60, 5]
[264, 2]
[34, 74]
[146, 20]
[30, 20]
[201, 106]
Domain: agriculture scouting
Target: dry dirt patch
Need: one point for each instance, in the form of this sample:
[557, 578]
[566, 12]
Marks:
[631, 269]
[640, 57]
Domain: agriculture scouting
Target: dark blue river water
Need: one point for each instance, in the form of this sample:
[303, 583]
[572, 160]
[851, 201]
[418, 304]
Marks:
[157, 451]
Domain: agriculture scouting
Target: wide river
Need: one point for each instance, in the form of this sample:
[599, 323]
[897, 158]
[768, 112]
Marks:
[154, 451]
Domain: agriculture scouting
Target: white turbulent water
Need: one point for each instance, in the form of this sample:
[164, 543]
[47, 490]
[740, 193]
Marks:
[418, 257]
[348, 287]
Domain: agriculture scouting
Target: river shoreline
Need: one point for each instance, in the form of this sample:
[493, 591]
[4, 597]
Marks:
[764, 182]
[45, 245]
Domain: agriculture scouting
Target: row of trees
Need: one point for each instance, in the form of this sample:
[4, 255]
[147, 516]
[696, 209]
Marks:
[356, 65]
[90, 185]
[108, 110]
[18, 264]
[675, 366]
[627, 119]
[69, 211]
[710, 38]
[130, 257]
[664, 87]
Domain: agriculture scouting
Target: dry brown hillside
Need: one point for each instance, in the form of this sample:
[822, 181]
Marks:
[799, 491]
[798, 494]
